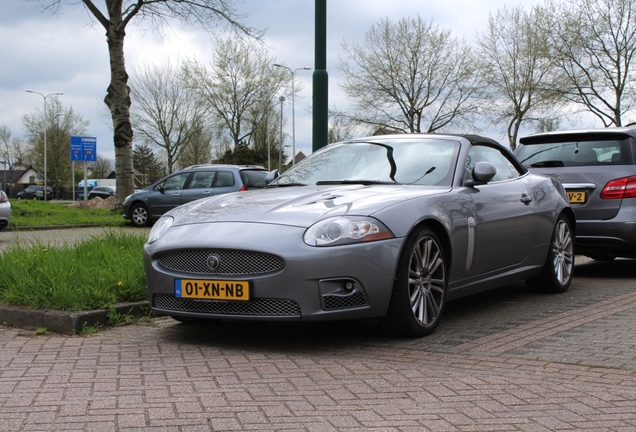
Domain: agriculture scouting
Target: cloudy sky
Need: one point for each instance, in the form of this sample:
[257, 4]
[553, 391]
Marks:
[67, 53]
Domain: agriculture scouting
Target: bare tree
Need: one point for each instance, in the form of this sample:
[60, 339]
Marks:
[199, 149]
[342, 128]
[595, 44]
[265, 139]
[517, 67]
[166, 112]
[102, 167]
[410, 77]
[240, 77]
[61, 123]
[12, 155]
[114, 16]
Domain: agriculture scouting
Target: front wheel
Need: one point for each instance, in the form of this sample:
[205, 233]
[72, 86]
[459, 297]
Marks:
[556, 275]
[418, 297]
[139, 215]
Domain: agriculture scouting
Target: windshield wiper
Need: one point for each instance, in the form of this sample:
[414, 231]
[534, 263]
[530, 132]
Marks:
[361, 182]
[271, 185]
[547, 163]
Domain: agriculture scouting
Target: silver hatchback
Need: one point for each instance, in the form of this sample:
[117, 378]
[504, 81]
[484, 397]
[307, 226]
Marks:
[598, 170]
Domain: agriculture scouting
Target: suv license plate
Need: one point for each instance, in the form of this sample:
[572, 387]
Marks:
[577, 196]
[212, 289]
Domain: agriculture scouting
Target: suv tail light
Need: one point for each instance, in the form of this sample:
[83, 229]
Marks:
[243, 188]
[3, 197]
[620, 188]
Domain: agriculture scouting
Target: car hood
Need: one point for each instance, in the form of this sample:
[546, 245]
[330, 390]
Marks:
[298, 205]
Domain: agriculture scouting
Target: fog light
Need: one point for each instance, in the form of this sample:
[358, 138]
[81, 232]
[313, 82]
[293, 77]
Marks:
[349, 285]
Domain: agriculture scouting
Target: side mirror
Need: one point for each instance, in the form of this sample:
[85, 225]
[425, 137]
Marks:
[482, 173]
[271, 176]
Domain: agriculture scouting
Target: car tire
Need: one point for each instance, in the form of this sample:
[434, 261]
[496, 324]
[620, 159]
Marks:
[139, 215]
[419, 291]
[557, 272]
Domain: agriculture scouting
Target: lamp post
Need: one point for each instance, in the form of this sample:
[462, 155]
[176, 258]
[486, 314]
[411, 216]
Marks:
[44, 116]
[293, 72]
[280, 149]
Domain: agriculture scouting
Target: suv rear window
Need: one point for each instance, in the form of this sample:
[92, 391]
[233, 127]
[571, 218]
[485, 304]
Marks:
[576, 153]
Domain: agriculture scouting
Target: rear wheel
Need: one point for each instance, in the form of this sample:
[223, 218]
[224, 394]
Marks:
[139, 215]
[556, 275]
[418, 297]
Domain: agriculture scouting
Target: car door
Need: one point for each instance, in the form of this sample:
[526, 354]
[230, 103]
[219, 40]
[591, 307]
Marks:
[166, 195]
[506, 214]
[200, 186]
[225, 182]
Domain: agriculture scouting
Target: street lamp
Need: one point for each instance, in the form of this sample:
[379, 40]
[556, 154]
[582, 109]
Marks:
[45, 96]
[280, 149]
[293, 72]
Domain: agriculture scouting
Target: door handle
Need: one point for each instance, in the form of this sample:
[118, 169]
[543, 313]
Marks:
[526, 199]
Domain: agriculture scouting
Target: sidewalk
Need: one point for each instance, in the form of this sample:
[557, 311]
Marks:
[507, 360]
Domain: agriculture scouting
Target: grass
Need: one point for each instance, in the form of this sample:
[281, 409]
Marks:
[93, 274]
[29, 213]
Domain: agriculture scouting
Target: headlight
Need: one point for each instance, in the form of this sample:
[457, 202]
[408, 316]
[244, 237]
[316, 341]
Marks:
[160, 227]
[345, 230]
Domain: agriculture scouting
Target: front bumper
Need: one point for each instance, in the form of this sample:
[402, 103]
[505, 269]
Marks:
[313, 283]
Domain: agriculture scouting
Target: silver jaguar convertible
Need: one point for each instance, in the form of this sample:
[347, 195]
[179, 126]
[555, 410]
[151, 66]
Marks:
[388, 227]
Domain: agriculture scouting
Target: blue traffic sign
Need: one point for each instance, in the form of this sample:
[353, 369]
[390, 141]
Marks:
[83, 148]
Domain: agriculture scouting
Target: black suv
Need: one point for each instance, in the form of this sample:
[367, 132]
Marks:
[598, 170]
[36, 193]
[192, 183]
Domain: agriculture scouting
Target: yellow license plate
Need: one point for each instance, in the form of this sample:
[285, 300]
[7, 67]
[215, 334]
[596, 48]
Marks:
[577, 197]
[212, 289]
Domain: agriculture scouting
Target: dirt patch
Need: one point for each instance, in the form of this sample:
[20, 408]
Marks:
[97, 202]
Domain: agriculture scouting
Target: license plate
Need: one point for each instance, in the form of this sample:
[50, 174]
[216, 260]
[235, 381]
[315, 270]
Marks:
[577, 196]
[212, 289]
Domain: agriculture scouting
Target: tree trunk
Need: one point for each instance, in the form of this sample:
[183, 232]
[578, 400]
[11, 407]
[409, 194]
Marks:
[118, 101]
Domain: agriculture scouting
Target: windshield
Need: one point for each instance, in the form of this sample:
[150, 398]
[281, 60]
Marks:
[573, 153]
[423, 161]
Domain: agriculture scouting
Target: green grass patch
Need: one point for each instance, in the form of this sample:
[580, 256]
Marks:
[29, 213]
[93, 274]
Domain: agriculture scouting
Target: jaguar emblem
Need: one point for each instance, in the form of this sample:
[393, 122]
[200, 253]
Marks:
[214, 262]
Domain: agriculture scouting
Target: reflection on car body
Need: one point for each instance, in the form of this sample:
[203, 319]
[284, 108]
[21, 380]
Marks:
[388, 227]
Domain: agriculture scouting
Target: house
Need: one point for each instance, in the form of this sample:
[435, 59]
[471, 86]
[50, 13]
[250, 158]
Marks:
[18, 179]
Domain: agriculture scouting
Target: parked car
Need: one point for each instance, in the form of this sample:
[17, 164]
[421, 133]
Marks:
[5, 210]
[193, 183]
[36, 193]
[598, 170]
[388, 227]
[101, 191]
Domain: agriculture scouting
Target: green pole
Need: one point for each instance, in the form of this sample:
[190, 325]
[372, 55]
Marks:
[320, 111]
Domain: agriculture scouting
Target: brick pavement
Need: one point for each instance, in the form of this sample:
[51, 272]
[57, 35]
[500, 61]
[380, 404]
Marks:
[507, 360]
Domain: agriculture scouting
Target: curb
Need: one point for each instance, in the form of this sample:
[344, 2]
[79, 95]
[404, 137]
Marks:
[54, 227]
[67, 323]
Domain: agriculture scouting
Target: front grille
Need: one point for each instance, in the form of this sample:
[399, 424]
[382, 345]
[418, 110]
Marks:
[231, 262]
[258, 306]
[344, 301]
